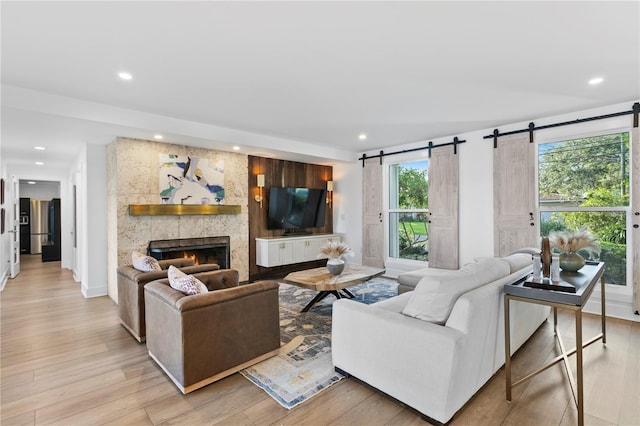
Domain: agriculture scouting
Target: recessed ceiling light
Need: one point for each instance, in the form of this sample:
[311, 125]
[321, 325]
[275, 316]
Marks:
[158, 136]
[39, 163]
[236, 148]
[31, 182]
[40, 148]
[596, 80]
[125, 75]
[362, 136]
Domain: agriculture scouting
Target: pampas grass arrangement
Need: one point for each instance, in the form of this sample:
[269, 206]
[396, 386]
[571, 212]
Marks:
[572, 241]
[335, 250]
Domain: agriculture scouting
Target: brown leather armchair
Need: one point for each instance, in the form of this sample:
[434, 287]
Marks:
[131, 291]
[201, 338]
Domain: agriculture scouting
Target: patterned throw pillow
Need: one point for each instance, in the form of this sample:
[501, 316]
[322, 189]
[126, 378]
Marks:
[144, 263]
[187, 284]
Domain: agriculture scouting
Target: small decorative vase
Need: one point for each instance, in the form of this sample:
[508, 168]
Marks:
[335, 266]
[571, 261]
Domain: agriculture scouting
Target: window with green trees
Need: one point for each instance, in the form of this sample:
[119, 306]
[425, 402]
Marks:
[408, 210]
[584, 183]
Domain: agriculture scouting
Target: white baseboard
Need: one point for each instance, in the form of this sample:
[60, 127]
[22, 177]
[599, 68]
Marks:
[614, 308]
[93, 292]
[5, 278]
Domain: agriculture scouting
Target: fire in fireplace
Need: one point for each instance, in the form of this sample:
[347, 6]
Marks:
[201, 250]
[191, 256]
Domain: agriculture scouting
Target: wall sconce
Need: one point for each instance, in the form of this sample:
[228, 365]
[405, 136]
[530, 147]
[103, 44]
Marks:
[329, 192]
[260, 183]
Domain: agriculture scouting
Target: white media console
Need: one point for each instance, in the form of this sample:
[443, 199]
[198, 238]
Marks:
[276, 251]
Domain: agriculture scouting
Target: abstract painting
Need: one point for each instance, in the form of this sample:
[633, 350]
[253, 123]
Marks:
[190, 180]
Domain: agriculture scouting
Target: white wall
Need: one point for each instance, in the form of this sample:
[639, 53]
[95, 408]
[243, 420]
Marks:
[42, 190]
[476, 196]
[5, 249]
[96, 222]
[347, 206]
[90, 179]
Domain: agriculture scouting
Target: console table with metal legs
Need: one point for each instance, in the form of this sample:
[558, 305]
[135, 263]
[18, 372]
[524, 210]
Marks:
[584, 282]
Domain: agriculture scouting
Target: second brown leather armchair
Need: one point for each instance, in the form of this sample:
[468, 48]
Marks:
[201, 338]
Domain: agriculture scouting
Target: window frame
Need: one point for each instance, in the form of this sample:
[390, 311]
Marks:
[587, 130]
[387, 210]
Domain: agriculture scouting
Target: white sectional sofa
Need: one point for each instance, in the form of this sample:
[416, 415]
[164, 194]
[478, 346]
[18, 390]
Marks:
[434, 347]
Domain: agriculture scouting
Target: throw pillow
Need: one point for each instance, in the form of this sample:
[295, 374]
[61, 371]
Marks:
[144, 263]
[187, 284]
[434, 296]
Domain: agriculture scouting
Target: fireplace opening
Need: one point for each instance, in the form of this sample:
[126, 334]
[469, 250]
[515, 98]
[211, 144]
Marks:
[201, 250]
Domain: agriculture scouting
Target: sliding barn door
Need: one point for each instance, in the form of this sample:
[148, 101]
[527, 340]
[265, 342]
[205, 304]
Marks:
[372, 221]
[443, 209]
[514, 199]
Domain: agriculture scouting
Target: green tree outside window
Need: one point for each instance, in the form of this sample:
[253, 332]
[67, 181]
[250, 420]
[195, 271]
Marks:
[589, 174]
[409, 198]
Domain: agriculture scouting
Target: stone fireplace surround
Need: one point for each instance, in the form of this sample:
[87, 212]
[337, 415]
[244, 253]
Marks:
[204, 250]
[132, 178]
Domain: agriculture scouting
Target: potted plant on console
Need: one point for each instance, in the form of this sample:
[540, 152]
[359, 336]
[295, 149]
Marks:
[568, 243]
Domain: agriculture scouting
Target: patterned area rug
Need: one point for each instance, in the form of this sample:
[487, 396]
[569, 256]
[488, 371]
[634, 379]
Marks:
[304, 368]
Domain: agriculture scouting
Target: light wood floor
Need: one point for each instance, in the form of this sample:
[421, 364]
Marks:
[66, 360]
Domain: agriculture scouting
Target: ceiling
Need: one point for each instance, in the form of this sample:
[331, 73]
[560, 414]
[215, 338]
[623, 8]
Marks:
[301, 80]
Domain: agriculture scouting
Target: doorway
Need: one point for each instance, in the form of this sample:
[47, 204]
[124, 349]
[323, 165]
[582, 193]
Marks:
[40, 219]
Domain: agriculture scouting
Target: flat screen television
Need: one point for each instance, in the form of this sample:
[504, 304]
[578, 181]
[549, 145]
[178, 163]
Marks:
[296, 208]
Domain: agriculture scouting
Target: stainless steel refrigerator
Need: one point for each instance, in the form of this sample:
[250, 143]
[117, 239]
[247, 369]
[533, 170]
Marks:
[39, 225]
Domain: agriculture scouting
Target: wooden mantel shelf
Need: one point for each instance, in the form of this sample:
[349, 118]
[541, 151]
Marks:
[181, 209]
